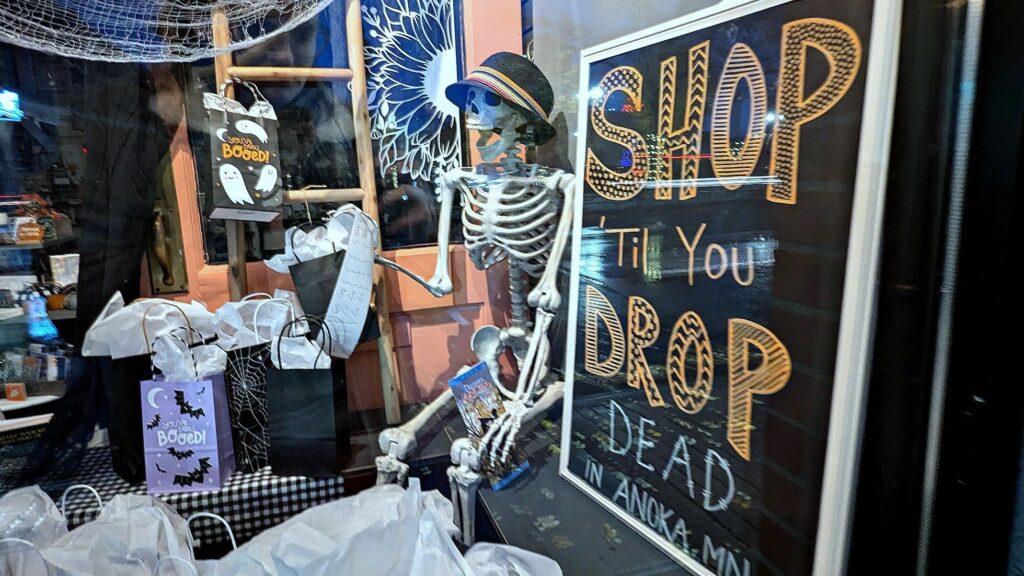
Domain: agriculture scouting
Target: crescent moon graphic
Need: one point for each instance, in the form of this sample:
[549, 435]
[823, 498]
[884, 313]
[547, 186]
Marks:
[152, 396]
[220, 134]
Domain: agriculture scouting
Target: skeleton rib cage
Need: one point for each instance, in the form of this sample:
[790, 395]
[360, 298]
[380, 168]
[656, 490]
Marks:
[513, 217]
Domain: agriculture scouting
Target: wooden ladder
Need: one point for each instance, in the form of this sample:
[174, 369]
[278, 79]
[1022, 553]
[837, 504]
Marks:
[366, 193]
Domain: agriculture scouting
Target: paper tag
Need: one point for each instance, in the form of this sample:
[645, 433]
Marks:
[350, 302]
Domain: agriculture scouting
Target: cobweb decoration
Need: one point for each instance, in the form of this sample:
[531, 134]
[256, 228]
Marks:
[246, 377]
[145, 30]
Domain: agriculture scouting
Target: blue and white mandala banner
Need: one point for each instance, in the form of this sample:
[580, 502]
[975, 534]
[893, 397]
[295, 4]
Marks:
[411, 56]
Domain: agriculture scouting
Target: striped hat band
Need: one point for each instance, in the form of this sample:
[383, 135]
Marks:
[506, 88]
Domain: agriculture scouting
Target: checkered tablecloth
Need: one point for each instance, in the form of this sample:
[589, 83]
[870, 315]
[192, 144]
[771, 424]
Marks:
[250, 503]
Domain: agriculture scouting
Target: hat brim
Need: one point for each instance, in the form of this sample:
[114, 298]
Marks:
[542, 129]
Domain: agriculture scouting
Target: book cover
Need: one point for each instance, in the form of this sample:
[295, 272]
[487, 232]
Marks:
[480, 403]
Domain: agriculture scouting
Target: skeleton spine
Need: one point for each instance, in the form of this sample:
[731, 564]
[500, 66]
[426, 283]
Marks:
[517, 290]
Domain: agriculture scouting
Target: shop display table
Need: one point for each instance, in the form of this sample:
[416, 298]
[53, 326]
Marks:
[543, 513]
[250, 503]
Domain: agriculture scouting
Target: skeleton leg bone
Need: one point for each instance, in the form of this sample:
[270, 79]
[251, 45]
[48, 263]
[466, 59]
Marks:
[399, 442]
[464, 480]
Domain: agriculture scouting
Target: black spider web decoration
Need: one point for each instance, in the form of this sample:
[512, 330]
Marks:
[247, 403]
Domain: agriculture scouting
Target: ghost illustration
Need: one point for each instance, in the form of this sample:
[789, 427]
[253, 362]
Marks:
[234, 186]
[268, 179]
[250, 127]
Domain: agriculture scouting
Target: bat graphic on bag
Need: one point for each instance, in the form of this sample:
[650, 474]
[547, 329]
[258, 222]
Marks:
[153, 423]
[196, 476]
[180, 454]
[159, 469]
[186, 408]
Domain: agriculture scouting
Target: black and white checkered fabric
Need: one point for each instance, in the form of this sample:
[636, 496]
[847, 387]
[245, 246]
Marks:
[250, 503]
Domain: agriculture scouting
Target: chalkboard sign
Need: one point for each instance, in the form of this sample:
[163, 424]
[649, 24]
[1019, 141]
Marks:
[731, 169]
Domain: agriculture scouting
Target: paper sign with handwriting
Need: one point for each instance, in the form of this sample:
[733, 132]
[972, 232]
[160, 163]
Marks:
[346, 314]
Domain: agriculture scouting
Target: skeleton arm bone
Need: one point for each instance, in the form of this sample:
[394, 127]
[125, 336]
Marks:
[434, 290]
[456, 179]
[440, 284]
[545, 294]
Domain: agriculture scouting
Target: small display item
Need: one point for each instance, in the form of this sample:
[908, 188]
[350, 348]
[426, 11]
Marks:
[28, 231]
[15, 392]
[64, 268]
[480, 404]
[244, 150]
[187, 435]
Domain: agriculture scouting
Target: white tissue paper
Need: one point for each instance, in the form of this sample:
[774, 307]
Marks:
[178, 363]
[301, 246]
[128, 538]
[383, 531]
[486, 559]
[298, 353]
[118, 331]
[319, 241]
[29, 515]
[253, 322]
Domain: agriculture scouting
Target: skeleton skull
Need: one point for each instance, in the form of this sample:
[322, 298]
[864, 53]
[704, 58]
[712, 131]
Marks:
[488, 114]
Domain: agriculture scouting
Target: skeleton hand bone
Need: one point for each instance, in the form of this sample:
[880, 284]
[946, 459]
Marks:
[500, 437]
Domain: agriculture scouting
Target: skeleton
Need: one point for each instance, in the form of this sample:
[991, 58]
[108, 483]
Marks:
[522, 217]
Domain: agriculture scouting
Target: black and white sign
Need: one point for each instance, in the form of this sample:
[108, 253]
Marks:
[732, 168]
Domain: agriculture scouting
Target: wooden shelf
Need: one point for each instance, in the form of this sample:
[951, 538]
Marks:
[55, 315]
[7, 405]
[38, 245]
[322, 195]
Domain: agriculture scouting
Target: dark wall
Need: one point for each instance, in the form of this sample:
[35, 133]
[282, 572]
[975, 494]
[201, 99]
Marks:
[887, 513]
[981, 438]
[981, 427]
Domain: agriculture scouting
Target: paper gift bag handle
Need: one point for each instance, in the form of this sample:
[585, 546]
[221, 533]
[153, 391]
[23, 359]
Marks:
[145, 316]
[188, 346]
[223, 91]
[254, 295]
[160, 562]
[256, 94]
[256, 314]
[72, 488]
[28, 544]
[324, 330]
[231, 533]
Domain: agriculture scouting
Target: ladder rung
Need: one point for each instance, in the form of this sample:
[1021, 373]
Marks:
[321, 195]
[286, 73]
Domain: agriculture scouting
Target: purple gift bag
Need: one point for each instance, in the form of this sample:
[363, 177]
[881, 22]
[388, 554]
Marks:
[187, 435]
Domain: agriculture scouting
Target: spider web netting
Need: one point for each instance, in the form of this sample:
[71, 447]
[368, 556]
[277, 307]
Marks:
[145, 30]
[246, 377]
